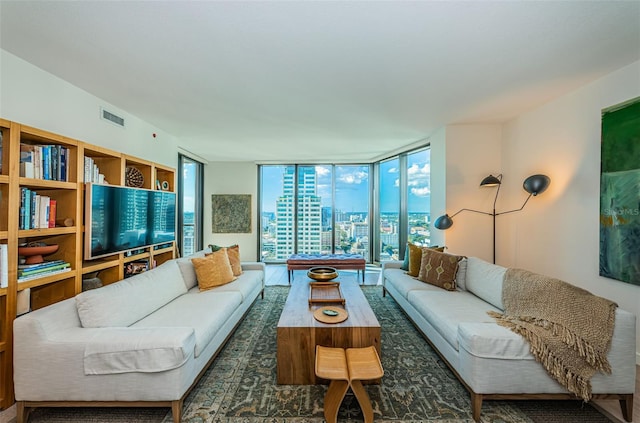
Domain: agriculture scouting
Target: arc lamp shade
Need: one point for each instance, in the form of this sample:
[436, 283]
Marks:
[443, 222]
[536, 184]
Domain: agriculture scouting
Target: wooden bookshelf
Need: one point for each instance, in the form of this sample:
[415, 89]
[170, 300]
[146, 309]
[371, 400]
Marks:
[68, 233]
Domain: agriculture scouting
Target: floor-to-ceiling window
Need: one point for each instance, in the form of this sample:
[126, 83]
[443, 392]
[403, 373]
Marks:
[403, 203]
[389, 206]
[190, 195]
[314, 209]
[418, 194]
[351, 209]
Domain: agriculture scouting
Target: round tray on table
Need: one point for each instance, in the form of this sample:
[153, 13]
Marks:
[330, 314]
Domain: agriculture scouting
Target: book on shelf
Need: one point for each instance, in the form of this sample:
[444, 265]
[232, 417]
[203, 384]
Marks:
[135, 267]
[48, 162]
[43, 274]
[39, 265]
[53, 205]
[4, 266]
[36, 211]
[42, 270]
[0, 150]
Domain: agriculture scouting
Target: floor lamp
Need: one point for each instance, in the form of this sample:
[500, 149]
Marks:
[534, 185]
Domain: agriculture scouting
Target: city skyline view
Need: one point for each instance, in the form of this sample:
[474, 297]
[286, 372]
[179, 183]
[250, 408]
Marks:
[323, 209]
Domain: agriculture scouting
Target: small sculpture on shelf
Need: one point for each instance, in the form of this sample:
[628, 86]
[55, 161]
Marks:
[34, 251]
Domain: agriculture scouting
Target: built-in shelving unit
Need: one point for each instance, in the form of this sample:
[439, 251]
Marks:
[67, 189]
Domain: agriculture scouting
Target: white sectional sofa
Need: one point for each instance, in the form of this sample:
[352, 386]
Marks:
[143, 341]
[490, 360]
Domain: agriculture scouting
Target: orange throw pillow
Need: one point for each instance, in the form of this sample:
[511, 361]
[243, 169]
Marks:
[233, 253]
[213, 270]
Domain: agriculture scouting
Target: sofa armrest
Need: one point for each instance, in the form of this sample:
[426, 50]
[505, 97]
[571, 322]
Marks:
[132, 349]
[392, 264]
[253, 265]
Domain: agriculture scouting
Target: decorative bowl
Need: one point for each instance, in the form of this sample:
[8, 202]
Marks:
[322, 274]
[34, 253]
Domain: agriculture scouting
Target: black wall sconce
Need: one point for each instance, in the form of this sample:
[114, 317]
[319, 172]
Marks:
[534, 185]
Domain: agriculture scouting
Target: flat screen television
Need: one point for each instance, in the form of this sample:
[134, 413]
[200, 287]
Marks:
[120, 219]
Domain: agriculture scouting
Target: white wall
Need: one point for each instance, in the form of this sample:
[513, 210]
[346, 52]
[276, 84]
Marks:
[438, 182]
[232, 178]
[473, 152]
[33, 97]
[558, 232]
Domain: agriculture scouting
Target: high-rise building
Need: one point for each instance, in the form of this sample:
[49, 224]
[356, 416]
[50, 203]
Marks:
[309, 214]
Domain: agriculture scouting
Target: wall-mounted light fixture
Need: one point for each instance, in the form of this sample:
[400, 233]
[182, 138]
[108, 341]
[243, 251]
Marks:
[534, 185]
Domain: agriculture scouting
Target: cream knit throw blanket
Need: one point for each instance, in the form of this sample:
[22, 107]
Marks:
[569, 329]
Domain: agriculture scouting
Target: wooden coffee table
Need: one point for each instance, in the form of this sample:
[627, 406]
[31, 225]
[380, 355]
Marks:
[299, 332]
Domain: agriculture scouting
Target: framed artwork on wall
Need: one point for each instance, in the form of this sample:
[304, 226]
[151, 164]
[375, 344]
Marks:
[620, 192]
[230, 213]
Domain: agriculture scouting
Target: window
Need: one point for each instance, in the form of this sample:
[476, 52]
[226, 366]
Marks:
[190, 196]
[389, 206]
[418, 193]
[403, 203]
[330, 216]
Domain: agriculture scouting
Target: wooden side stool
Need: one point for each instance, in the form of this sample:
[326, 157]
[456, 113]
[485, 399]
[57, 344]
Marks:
[346, 368]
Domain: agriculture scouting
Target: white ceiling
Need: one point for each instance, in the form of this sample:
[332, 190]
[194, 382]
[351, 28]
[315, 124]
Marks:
[321, 80]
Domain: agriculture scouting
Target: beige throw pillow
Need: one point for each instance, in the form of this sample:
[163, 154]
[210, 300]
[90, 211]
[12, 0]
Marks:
[439, 269]
[213, 270]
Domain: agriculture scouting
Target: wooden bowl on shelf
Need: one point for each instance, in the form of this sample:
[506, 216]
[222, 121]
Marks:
[34, 254]
[322, 274]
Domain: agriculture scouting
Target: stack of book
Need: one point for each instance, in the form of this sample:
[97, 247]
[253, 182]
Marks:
[33, 271]
[48, 162]
[36, 211]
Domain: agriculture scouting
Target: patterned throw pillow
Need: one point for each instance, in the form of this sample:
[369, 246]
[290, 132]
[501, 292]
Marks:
[439, 269]
[414, 253]
[213, 270]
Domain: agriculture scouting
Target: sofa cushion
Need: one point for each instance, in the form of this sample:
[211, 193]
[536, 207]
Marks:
[124, 303]
[245, 284]
[461, 276]
[404, 283]
[213, 270]
[485, 280]
[207, 313]
[490, 340]
[146, 350]
[439, 269]
[187, 269]
[446, 310]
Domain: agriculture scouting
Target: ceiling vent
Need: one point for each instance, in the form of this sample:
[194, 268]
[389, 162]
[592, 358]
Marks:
[115, 119]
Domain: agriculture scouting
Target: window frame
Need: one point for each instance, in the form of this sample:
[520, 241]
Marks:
[198, 215]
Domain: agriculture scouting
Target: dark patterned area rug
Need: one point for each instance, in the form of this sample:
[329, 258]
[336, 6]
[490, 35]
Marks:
[240, 386]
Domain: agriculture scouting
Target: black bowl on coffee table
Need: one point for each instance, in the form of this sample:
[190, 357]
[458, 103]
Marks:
[322, 274]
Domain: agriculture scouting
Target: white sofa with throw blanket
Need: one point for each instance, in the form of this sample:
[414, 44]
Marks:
[143, 341]
[494, 362]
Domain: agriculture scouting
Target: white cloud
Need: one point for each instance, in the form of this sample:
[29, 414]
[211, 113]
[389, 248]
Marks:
[393, 170]
[356, 177]
[322, 170]
[420, 192]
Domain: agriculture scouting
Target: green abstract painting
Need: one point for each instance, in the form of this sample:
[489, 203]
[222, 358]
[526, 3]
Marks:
[620, 192]
[231, 213]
